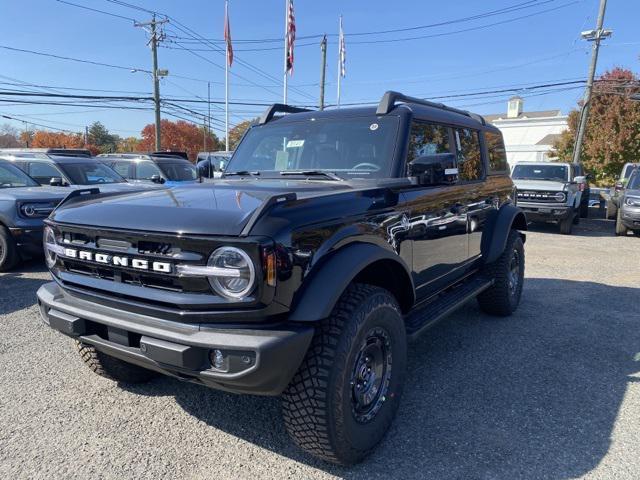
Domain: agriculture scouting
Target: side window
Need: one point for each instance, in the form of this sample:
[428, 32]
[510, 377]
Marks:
[123, 169]
[497, 152]
[468, 156]
[427, 139]
[146, 170]
[43, 172]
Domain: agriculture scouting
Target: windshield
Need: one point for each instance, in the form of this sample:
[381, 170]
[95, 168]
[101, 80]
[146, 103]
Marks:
[628, 170]
[90, 173]
[634, 181]
[540, 172]
[179, 171]
[360, 147]
[13, 177]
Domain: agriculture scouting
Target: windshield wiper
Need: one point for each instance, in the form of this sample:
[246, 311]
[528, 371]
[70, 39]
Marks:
[311, 173]
[241, 172]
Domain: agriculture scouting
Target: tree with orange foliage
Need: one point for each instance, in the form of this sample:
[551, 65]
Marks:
[178, 136]
[46, 139]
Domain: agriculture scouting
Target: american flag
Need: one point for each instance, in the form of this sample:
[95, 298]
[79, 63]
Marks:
[227, 36]
[342, 51]
[291, 37]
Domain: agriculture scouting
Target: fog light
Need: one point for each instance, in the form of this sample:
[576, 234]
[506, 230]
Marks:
[217, 359]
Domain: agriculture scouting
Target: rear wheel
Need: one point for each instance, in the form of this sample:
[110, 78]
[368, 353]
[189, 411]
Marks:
[345, 395]
[507, 272]
[113, 368]
[621, 230]
[9, 256]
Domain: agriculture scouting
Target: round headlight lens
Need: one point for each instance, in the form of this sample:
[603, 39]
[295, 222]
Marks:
[560, 197]
[49, 239]
[237, 274]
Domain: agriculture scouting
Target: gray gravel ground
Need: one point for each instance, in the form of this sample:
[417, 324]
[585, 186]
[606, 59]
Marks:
[553, 392]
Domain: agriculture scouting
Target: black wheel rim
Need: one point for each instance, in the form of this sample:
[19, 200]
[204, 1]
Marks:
[514, 273]
[371, 375]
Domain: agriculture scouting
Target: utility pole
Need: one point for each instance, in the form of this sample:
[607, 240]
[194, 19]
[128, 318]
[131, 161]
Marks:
[323, 68]
[594, 36]
[86, 136]
[156, 36]
[208, 109]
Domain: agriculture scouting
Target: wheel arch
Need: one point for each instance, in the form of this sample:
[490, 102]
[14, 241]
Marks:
[360, 262]
[496, 233]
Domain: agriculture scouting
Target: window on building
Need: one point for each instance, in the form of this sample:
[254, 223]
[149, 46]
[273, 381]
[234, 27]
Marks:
[497, 152]
[427, 139]
[469, 156]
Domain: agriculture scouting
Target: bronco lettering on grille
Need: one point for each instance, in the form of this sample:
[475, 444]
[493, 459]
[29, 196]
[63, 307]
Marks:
[118, 260]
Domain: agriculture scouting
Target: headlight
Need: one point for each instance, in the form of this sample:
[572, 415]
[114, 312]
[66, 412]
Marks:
[37, 209]
[233, 272]
[632, 201]
[51, 248]
[560, 197]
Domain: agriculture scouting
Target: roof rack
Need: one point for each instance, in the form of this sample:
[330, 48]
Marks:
[279, 108]
[390, 98]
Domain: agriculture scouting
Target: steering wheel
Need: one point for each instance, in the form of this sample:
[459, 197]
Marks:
[367, 165]
[101, 180]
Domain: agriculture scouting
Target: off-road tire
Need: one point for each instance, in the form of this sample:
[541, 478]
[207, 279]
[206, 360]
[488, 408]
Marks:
[566, 225]
[621, 230]
[113, 368]
[9, 256]
[318, 405]
[610, 210]
[501, 299]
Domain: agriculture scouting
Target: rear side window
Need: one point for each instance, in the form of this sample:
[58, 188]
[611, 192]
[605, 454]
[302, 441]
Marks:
[497, 152]
[469, 155]
[427, 139]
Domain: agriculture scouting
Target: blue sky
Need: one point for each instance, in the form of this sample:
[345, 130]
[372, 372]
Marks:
[543, 48]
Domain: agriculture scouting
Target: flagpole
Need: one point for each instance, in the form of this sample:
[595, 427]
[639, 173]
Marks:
[339, 61]
[226, 84]
[286, 47]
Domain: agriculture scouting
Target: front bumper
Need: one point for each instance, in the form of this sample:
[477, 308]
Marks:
[28, 240]
[259, 361]
[630, 217]
[545, 212]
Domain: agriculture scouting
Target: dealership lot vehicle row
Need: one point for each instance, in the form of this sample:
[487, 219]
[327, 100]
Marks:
[552, 392]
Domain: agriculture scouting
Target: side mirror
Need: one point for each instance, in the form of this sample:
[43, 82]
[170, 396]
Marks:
[56, 182]
[436, 169]
[619, 186]
[580, 179]
[157, 179]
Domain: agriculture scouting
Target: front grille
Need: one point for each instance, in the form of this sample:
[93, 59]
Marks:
[540, 196]
[150, 248]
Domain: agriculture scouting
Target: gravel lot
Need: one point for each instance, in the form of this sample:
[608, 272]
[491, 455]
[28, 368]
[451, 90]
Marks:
[552, 392]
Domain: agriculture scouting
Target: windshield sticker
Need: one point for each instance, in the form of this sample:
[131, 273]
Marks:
[373, 127]
[295, 143]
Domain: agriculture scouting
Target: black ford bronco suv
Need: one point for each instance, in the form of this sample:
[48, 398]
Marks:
[332, 239]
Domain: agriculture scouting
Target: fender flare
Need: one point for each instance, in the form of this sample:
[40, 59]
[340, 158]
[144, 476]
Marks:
[496, 232]
[331, 277]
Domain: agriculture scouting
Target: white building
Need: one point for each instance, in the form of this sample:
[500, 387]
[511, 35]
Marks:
[528, 136]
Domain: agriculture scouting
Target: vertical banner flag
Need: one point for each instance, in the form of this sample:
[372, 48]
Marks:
[227, 36]
[342, 51]
[291, 37]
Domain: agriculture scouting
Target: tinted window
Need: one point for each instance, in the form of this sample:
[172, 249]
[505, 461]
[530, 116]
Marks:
[469, 156]
[357, 147]
[11, 177]
[497, 152]
[43, 172]
[90, 173]
[626, 172]
[540, 172]
[427, 139]
[146, 170]
[634, 180]
[179, 172]
[122, 168]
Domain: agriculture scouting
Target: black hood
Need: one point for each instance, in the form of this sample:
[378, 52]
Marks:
[218, 208]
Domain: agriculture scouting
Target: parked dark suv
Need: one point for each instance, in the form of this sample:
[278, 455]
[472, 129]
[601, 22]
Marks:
[158, 167]
[332, 238]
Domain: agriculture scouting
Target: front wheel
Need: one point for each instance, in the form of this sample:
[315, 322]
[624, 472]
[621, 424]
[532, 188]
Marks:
[111, 367]
[566, 225]
[9, 256]
[507, 273]
[345, 395]
[621, 230]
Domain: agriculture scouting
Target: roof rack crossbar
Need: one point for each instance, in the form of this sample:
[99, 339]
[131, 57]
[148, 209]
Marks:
[390, 98]
[279, 108]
